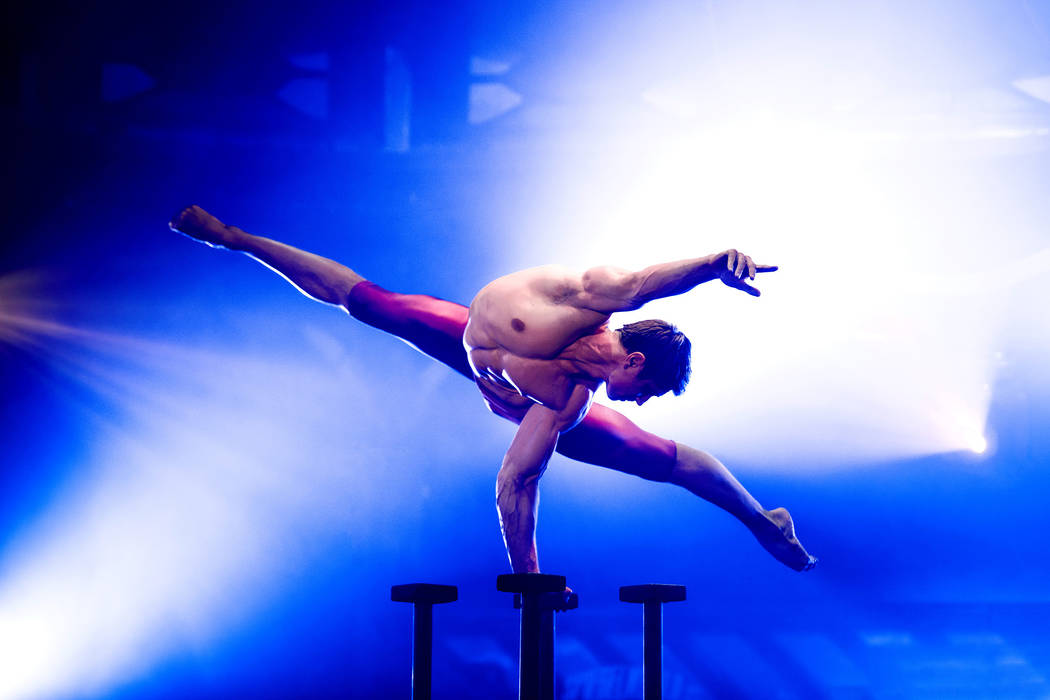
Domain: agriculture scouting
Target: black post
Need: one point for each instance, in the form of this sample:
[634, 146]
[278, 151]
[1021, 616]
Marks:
[423, 597]
[539, 595]
[547, 647]
[652, 596]
[652, 649]
[422, 650]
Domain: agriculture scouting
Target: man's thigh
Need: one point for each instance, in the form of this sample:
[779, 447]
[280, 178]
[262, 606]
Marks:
[434, 326]
[608, 438]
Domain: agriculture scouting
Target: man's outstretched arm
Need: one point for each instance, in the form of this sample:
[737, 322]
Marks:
[315, 276]
[610, 289]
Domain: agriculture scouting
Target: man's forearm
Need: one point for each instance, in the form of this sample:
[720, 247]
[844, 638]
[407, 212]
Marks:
[517, 484]
[315, 276]
[608, 290]
[669, 279]
[517, 501]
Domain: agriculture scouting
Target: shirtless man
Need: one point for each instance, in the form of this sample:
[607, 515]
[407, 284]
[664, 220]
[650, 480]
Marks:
[538, 345]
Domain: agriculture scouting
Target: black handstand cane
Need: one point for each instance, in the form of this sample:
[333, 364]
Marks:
[652, 596]
[423, 596]
[538, 596]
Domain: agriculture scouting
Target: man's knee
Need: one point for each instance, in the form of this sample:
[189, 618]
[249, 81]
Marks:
[388, 311]
[363, 300]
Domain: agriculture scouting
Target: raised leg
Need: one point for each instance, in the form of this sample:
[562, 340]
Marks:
[432, 325]
[609, 439]
[315, 276]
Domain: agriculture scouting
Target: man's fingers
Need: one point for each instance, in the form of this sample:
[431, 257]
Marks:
[742, 267]
[744, 286]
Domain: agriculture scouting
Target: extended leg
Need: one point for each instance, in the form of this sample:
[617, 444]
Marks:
[317, 277]
[432, 325]
[708, 478]
[609, 439]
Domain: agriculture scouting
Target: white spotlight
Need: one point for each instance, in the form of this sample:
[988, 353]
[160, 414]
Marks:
[978, 445]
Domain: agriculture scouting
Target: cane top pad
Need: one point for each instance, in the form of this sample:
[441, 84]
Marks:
[431, 593]
[530, 583]
[652, 593]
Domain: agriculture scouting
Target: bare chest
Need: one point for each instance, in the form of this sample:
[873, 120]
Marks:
[527, 324]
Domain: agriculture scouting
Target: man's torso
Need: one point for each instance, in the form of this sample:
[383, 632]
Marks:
[520, 334]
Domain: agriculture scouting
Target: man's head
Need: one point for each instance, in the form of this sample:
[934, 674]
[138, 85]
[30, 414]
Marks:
[657, 361]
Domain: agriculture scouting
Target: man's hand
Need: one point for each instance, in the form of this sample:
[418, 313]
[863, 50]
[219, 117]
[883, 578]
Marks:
[739, 268]
[566, 600]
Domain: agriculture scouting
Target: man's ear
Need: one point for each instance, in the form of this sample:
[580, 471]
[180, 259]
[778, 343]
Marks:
[635, 359]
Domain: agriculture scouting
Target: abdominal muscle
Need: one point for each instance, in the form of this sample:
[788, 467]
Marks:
[570, 400]
[515, 383]
[503, 400]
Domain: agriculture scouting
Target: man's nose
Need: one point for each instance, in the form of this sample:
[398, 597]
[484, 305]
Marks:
[641, 399]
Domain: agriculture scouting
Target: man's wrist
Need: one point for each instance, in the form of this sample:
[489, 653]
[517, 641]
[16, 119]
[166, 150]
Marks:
[709, 265]
[235, 239]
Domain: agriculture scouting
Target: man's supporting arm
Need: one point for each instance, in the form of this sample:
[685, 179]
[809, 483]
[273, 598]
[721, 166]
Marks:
[609, 289]
[517, 492]
[315, 276]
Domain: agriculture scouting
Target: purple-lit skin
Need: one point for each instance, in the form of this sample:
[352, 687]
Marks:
[539, 345]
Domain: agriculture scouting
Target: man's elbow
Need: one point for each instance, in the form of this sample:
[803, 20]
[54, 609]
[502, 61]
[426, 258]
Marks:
[616, 284]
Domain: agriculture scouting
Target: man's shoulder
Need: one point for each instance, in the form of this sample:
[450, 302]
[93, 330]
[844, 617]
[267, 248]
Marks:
[534, 287]
[556, 284]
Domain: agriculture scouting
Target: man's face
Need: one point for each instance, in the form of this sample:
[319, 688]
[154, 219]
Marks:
[625, 384]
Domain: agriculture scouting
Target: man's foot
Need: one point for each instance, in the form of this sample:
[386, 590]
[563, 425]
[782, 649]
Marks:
[776, 532]
[202, 226]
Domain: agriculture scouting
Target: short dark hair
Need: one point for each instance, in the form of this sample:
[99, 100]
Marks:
[666, 351]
